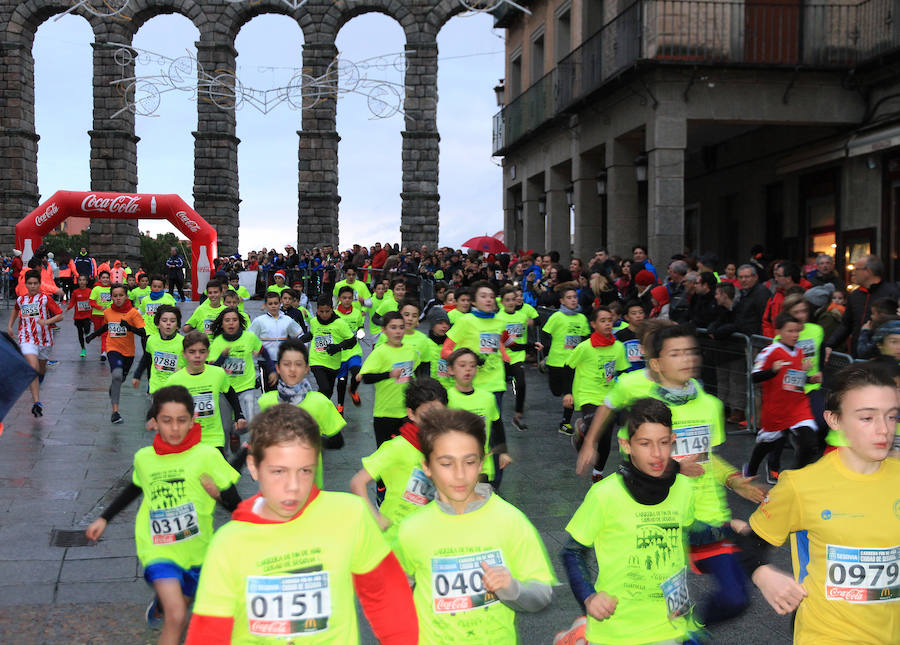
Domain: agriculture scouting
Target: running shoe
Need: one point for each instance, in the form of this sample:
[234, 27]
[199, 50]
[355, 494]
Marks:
[52, 363]
[83, 353]
[354, 396]
[116, 418]
[745, 471]
[154, 614]
[340, 410]
[772, 477]
[596, 477]
[37, 409]
[566, 429]
[103, 357]
[519, 424]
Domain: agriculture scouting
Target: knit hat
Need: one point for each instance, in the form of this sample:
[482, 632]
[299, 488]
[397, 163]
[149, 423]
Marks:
[886, 329]
[436, 315]
[17, 252]
[660, 294]
[50, 256]
[644, 278]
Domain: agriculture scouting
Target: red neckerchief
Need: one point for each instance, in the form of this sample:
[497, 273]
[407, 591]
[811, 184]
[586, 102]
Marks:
[601, 341]
[191, 439]
[244, 511]
[449, 307]
[410, 432]
[346, 311]
[124, 309]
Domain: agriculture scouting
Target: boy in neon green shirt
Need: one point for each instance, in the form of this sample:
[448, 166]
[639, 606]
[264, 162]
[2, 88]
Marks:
[329, 337]
[518, 319]
[351, 359]
[206, 313]
[156, 297]
[140, 291]
[163, 354]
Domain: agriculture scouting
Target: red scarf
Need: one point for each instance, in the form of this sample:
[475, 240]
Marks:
[244, 511]
[191, 439]
[449, 307]
[124, 309]
[410, 432]
[601, 341]
[346, 311]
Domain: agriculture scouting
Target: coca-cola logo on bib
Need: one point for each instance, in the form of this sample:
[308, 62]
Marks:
[124, 204]
[191, 224]
[51, 210]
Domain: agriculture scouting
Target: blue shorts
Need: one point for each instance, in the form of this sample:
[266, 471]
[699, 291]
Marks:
[164, 569]
[353, 361]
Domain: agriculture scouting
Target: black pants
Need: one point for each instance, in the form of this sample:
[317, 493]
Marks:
[176, 282]
[83, 325]
[516, 374]
[805, 445]
[385, 428]
[342, 383]
[66, 285]
[325, 378]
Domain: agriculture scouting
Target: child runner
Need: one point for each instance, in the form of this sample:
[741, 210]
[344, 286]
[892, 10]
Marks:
[234, 284]
[272, 327]
[517, 319]
[486, 335]
[123, 323]
[140, 290]
[157, 297]
[476, 559]
[100, 301]
[351, 359]
[206, 383]
[841, 514]
[810, 342]
[462, 304]
[35, 312]
[290, 306]
[636, 520]
[398, 462]
[463, 366]
[596, 361]
[174, 524]
[280, 283]
[163, 355]
[627, 335]
[235, 350]
[561, 334]
[362, 297]
[413, 338]
[293, 536]
[231, 299]
[378, 299]
[391, 301]
[207, 311]
[785, 408]
[81, 302]
[440, 324]
[328, 336]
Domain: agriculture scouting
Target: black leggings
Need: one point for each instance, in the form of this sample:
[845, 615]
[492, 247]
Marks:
[342, 384]
[385, 428]
[516, 374]
[325, 379]
[83, 325]
[561, 384]
[805, 444]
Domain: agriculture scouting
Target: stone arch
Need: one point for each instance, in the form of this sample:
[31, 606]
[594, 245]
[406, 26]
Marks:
[344, 12]
[143, 11]
[28, 16]
[235, 16]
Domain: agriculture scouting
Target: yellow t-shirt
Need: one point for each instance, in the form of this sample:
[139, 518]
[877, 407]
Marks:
[846, 549]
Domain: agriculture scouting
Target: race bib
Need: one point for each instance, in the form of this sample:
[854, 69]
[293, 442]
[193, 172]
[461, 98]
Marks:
[443, 370]
[571, 341]
[896, 444]
[321, 342]
[233, 365]
[807, 346]
[488, 343]
[106, 296]
[204, 405]
[633, 351]
[794, 380]
[291, 605]
[457, 582]
[116, 330]
[406, 374]
[609, 370]
[83, 305]
[170, 525]
[31, 310]
[862, 575]
[165, 361]
[419, 488]
[207, 325]
[675, 590]
[150, 308]
[692, 440]
[515, 329]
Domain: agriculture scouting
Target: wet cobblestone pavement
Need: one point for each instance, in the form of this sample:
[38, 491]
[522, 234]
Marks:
[60, 471]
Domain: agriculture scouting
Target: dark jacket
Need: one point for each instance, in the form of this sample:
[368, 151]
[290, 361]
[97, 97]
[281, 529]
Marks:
[702, 309]
[722, 325]
[816, 279]
[749, 308]
[859, 310]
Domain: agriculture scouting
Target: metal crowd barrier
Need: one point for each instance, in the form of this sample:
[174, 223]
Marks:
[725, 371]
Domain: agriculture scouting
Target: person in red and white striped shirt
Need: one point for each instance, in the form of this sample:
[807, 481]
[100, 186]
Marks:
[36, 312]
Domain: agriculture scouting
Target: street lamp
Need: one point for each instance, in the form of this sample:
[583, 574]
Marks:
[570, 195]
[542, 206]
[601, 183]
[500, 92]
[519, 212]
[640, 167]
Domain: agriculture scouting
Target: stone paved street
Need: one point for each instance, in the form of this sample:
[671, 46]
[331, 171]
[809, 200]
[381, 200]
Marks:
[58, 472]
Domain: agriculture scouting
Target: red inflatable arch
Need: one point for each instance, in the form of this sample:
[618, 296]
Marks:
[66, 203]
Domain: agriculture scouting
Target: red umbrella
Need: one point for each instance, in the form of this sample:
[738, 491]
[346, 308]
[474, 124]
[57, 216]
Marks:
[486, 244]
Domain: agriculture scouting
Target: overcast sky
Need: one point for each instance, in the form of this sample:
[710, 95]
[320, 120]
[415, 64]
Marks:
[269, 46]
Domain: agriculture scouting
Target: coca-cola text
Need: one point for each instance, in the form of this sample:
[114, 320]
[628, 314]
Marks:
[51, 210]
[123, 204]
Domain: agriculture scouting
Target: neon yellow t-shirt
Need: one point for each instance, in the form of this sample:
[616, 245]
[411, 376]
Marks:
[399, 465]
[148, 308]
[166, 359]
[566, 332]
[455, 314]
[595, 370]
[482, 336]
[103, 297]
[845, 530]
[334, 333]
[360, 290]
[174, 521]
[641, 559]
[484, 404]
[516, 324]
[204, 316]
[276, 289]
[417, 341]
[439, 368]
[354, 320]
[444, 553]
[205, 388]
[319, 551]
[137, 294]
[377, 304]
[240, 362]
[389, 393]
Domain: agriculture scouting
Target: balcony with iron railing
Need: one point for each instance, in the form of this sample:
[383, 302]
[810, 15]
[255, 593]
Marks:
[703, 32]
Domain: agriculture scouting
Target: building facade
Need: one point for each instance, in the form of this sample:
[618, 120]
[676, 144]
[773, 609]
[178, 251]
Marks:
[702, 126]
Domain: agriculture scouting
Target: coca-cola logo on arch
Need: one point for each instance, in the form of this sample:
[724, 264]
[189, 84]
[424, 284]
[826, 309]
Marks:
[124, 204]
[187, 221]
[50, 211]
